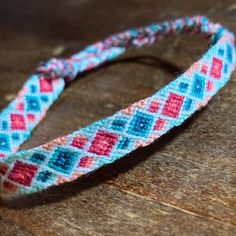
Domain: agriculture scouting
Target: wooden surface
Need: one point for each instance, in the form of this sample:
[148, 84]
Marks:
[184, 184]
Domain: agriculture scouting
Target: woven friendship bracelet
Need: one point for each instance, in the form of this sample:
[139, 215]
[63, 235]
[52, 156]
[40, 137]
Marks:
[67, 158]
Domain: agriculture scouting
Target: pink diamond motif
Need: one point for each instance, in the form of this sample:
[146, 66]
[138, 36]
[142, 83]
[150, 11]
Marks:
[20, 106]
[160, 124]
[103, 143]
[23, 173]
[154, 106]
[86, 162]
[204, 69]
[45, 85]
[216, 68]
[209, 85]
[17, 122]
[79, 142]
[173, 105]
[3, 169]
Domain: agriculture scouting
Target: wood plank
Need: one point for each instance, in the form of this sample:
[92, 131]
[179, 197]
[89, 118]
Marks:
[184, 184]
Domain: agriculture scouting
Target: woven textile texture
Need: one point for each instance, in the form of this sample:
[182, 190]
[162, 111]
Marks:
[67, 158]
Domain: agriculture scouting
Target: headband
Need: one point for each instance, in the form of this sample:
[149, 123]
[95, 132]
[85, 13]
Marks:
[67, 158]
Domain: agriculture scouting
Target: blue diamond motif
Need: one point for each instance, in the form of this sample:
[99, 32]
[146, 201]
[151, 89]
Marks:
[38, 158]
[4, 143]
[33, 89]
[141, 124]
[183, 87]
[4, 125]
[221, 52]
[63, 160]
[44, 98]
[45, 176]
[15, 136]
[32, 103]
[124, 143]
[188, 104]
[225, 68]
[229, 53]
[118, 124]
[198, 86]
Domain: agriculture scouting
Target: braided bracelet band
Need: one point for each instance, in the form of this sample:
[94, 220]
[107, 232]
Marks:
[67, 158]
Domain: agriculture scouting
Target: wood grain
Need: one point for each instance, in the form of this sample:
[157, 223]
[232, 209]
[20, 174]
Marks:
[183, 184]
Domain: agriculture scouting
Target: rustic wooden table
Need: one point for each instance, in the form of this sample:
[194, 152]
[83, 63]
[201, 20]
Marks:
[184, 184]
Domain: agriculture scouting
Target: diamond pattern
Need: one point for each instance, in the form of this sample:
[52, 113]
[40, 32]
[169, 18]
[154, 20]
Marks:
[38, 158]
[17, 122]
[20, 106]
[141, 124]
[188, 104]
[221, 52]
[23, 173]
[63, 160]
[173, 105]
[79, 142]
[86, 162]
[154, 106]
[160, 124]
[103, 143]
[4, 125]
[198, 86]
[4, 143]
[209, 85]
[124, 143]
[32, 104]
[118, 124]
[3, 169]
[31, 117]
[45, 176]
[183, 87]
[204, 69]
[216, 68]
[45, 86]
[10, 186]
[229, 53]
